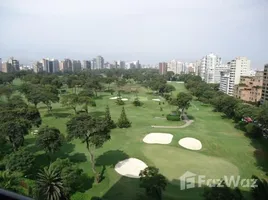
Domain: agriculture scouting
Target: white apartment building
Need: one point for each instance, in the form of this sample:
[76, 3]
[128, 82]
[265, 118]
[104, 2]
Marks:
[175, 66]
[210, 68]
[237, 68]
[224, 81]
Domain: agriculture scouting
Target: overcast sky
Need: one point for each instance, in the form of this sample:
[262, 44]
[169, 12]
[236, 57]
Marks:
[148, 30]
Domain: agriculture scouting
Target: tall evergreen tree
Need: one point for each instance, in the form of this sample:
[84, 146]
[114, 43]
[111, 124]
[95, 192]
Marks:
[123, 121]
[108, 119]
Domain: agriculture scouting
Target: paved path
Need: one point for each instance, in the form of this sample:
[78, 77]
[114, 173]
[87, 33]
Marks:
[187, 123]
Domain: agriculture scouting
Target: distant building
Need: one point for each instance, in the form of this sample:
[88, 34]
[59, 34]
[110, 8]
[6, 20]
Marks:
[211, 68]
[225, 81]
[162, 68]
[0, 64]
[115, 65]
[176, 67]
[66, 65]
[250, 88]
[55, 66]
[86, 64]
[265, 84]
[99, 62]
[236, 68]
[45, 64]
[37, 67]
[76, 66]
[121, 64]
[93, 63]
[11, 65]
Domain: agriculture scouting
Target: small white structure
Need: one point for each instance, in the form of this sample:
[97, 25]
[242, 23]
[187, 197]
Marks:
[156, 99]
[130, 167]
[124, 99]
[113, 98]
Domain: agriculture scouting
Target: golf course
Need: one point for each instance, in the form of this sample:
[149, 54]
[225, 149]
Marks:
[223, 150]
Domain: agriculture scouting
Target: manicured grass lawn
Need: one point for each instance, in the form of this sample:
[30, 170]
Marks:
[226, 151]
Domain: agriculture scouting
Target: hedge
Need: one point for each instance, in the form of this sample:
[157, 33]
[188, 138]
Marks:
[172, 117]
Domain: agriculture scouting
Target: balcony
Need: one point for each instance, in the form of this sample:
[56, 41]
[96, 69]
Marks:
[7, 195]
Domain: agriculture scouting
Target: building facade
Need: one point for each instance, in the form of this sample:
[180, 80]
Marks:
[162, 68]
[250, 88]
[87, 64]
[175, 66]
[37, 67]
[76, 66]
[0, 64]
[210, 68]
[99, 62]
[265, 85]
[236, 68]
[93, 63]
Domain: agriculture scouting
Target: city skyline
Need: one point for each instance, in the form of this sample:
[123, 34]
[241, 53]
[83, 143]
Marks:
[150, 31]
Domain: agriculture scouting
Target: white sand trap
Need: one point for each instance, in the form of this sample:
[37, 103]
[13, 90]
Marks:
[190, 143]
[156, 99]
[158, 138]
[130, 167]
[114, 98]
[124, 99]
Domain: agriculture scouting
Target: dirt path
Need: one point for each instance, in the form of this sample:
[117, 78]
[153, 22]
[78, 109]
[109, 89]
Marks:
[187, 123]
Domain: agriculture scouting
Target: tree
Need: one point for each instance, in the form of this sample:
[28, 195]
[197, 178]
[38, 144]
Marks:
[92, 131]
[222, 193]
[263, 115]
[6, 90]
[50, 139]
[182, 101]
[72, 176]
[70, 100]
[123, 122]
[49, 185]
[260, 192]
[153, 182]
[108, 119]
[21, 161]
[242, 110]
[16, 118]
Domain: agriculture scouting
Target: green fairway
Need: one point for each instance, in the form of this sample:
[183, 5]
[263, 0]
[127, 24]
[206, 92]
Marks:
[225, 151]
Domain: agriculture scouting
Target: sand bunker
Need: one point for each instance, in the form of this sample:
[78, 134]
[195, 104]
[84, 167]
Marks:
[156, 99]
[158, 138]
[190, 143]
[114, 98]
[130, 167]
[124, 99]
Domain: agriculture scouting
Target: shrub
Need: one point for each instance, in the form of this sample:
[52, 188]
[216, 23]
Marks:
[253, 130]
[172, 117]
[137, 102]
[119, 102]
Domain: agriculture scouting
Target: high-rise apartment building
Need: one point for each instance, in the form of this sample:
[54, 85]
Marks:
[99, 62]
[86, 64]
[265, 85]
[162, 68]
[176, 67]
[55, 66]
[76, 64]
[236, 68]
[45, 64]
[11, 65]
[250, 88]
[37, 67]
[66, 65]
[121, 64]
[210, 68]
[93, 63]
[0, 64]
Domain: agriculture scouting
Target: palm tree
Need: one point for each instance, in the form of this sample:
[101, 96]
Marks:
[153, 182]
[260, 191]
[49, 184]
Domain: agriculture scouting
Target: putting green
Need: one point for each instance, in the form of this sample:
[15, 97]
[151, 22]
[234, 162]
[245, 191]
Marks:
[174, 162]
